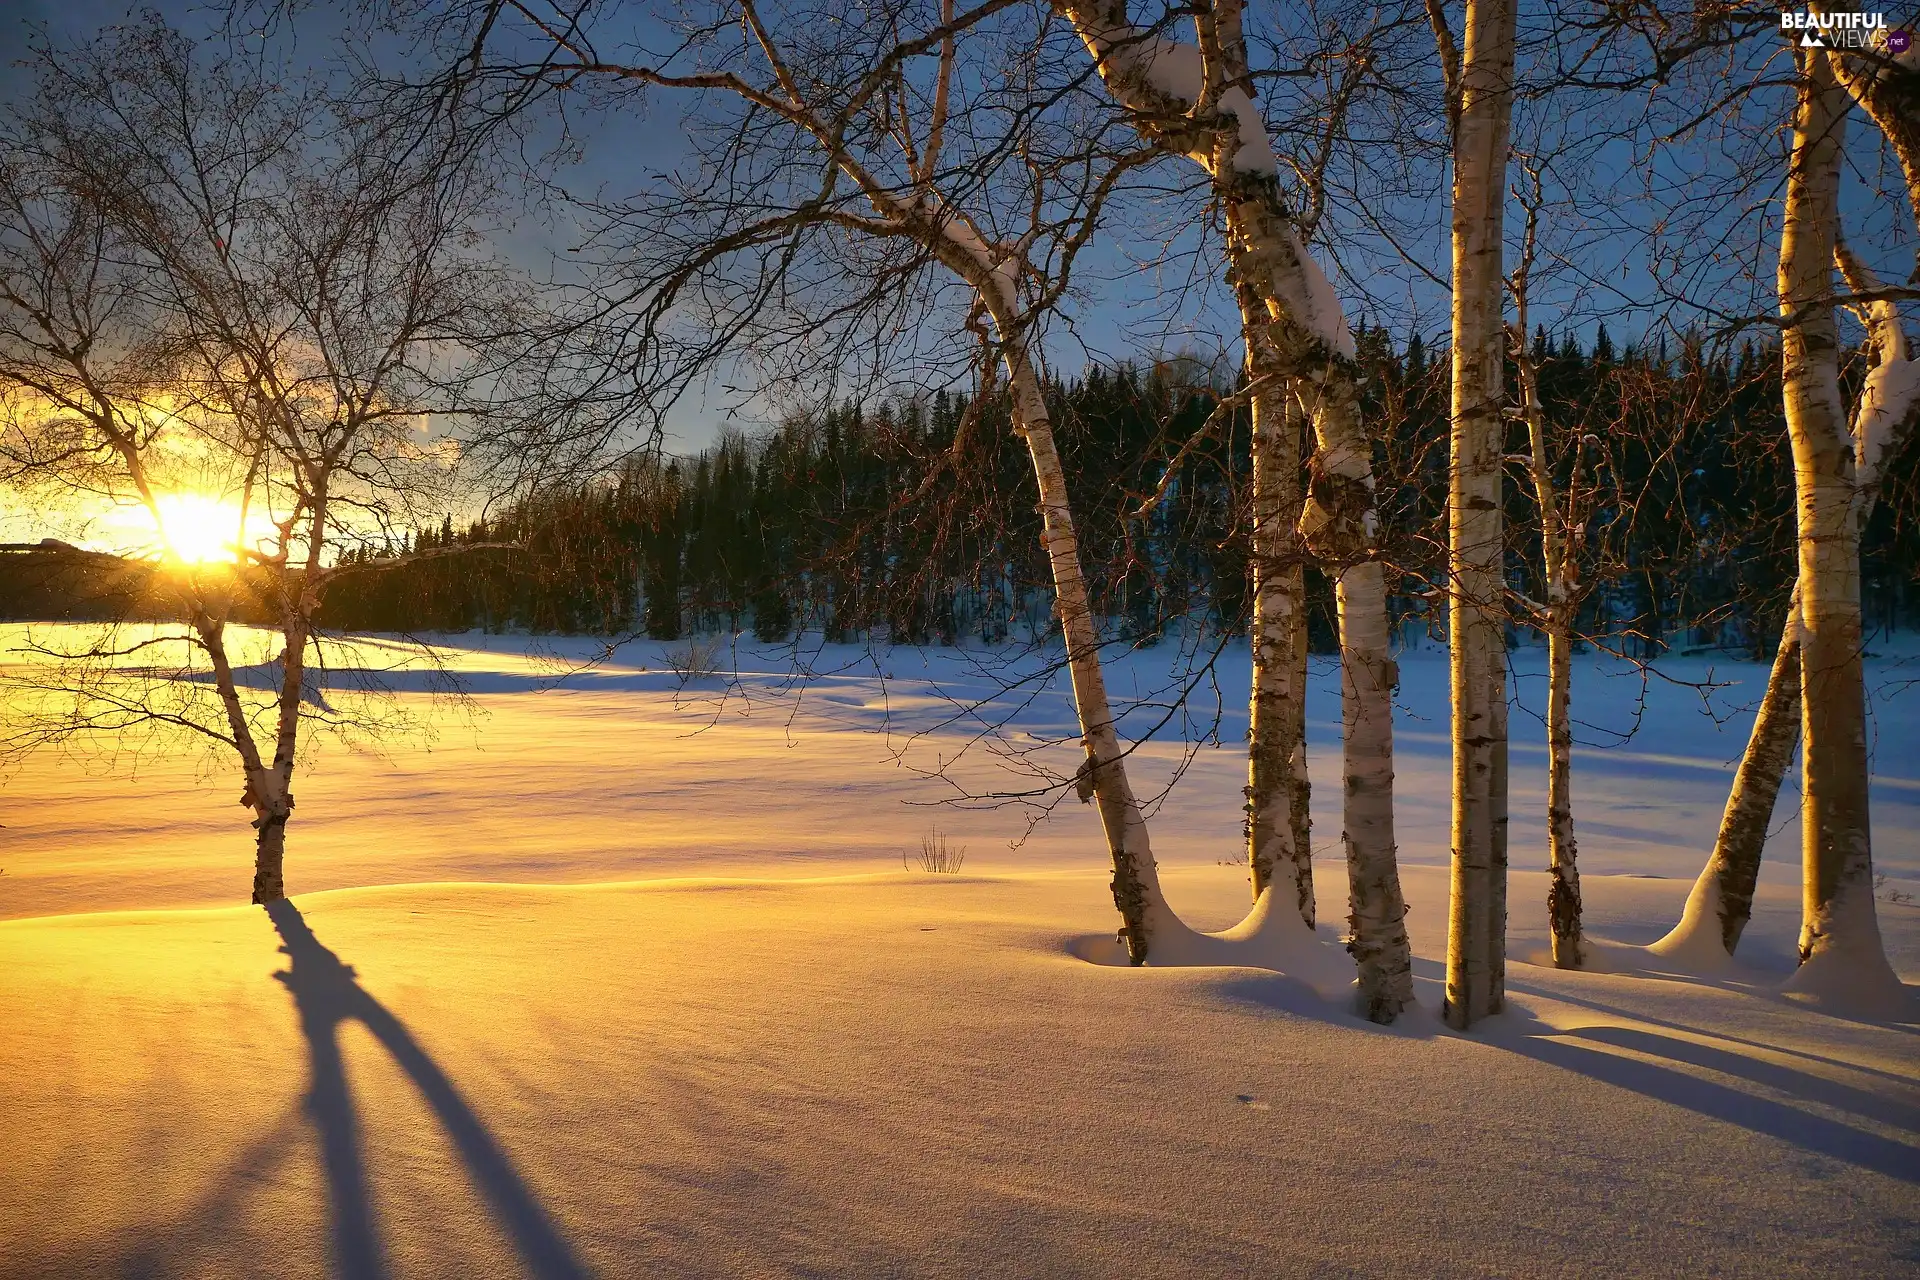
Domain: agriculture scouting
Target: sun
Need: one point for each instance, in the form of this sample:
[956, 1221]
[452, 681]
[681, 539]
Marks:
[198, 529]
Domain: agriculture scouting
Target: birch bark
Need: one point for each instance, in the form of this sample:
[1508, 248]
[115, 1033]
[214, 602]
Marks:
[1275, 762]
[1556, 547]
[1195, 102]
[916, 209]
[272, 786]
[1840, 949]
[1476, 918]
[1722, 898]
[1277, 848]
[1136, 881]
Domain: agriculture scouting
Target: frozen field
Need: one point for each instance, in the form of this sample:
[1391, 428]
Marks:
[610, 977]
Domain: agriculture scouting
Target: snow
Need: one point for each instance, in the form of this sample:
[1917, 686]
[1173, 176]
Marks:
[1891, 392]
[622, 978]
[1002, 268]
[1320, 309]
[1178, 70]
[1693, 946]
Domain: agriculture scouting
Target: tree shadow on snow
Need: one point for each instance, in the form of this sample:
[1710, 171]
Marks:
[1781, 1050]
[327, 993]
[1600, 1059]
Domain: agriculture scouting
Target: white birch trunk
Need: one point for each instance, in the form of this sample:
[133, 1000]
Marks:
[1196, 102]
[1842, 958]
[1722, 898]
[1136, 882]
[1556, 554]
[271, 786]
[1277, 851]
[1338, 525]
[266, 790]
[1476, 918]
[993, 271]
[1496, 961]
[1721, 902]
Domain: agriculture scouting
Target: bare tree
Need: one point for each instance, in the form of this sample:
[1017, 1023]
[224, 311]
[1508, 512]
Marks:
[213, 285]
[1480, 88]
[1885, 415]
[873, 145]
[1562, 532]
[1840, 950]
[1195, 101]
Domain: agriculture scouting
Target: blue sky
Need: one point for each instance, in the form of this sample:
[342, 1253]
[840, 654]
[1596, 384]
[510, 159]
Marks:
[1607, 202]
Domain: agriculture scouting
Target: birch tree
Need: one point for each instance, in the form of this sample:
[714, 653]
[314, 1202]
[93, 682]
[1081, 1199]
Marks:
[876, 137]
[1562, 534]
[1480, 87]
[209, 280]
[1278, 840]
[1194, 100]
[1886, 413]
[1840, 951]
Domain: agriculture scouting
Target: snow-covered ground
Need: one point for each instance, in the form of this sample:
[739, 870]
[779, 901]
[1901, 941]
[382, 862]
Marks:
[609, 976]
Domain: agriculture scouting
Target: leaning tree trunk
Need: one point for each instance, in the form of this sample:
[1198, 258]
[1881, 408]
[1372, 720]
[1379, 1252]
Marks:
[1276, 765]
[1840, 950]
[1136, 880]
[993, 273]
[266, 791]
[270, 788]
[1476, 942]
[1722, 898]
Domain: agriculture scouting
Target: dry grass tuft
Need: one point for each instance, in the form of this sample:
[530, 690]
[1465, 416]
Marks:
[936, 855]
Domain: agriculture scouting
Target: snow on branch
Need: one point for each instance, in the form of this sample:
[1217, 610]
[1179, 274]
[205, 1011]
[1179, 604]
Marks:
[1165, 81]
[1178, 71]
[1890, 398]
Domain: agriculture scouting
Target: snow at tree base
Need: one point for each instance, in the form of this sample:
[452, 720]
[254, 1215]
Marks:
[620, 977]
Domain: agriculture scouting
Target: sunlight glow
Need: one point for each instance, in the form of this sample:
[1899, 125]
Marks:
[199, 529]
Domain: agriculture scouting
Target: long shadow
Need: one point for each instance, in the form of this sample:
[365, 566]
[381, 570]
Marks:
[1636, 1015]
[327, 993]
[1716, 1101]
[1774, 1075]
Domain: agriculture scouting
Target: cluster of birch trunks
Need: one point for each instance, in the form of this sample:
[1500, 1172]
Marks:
[905, 146]
[1194, 101]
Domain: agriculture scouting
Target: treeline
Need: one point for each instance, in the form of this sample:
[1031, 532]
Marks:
[873, 523]
[859, 523]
